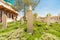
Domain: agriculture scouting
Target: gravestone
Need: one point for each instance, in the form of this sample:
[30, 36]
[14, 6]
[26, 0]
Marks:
[22, 21]
[29, 20]
[4, 20]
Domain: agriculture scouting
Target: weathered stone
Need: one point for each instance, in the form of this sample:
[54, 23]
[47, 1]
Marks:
[29, 20]
[4, 20]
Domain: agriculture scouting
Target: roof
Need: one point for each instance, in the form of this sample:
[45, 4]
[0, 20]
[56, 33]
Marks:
[7, 7]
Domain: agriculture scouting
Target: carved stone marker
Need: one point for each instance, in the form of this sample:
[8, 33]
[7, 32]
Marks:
[29, 21]
[4, 20]
[22, 21]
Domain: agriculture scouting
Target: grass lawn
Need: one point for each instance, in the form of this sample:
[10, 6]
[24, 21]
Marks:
[41, 31]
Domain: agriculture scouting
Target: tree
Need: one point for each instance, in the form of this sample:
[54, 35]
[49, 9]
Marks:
[35, 16]
[28, 5]
[48, 15]
[31, 5]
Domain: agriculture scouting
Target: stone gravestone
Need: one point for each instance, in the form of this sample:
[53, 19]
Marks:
[22, 21]
[4, 20]
[48, 20]
[59, 18]
[15, 19]
[29, 21]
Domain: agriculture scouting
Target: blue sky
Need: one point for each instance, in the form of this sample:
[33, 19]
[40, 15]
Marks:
[48, 6]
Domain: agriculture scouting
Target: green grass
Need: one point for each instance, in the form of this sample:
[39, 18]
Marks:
[11, 26]
[38, 29]
[53, 28]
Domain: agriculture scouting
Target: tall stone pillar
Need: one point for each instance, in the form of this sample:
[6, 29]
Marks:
[15, 19]
[4, 20]
[29, 20]
[58, 18]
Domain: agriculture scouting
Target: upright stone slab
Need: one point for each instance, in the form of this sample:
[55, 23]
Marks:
[4, 20]
[48, 21]
[29, 20]
[22, 21]
[59, 18]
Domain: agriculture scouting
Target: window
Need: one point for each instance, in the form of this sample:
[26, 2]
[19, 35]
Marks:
[12, 16]
[9, 15]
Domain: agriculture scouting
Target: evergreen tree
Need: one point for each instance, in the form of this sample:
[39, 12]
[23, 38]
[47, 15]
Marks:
[27, 5]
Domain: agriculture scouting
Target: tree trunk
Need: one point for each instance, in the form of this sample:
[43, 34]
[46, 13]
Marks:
[29, 20]
[24, 13]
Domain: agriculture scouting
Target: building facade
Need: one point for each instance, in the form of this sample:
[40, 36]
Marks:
[8, 11]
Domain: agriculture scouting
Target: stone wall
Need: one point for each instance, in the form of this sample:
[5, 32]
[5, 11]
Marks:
[51, 19]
